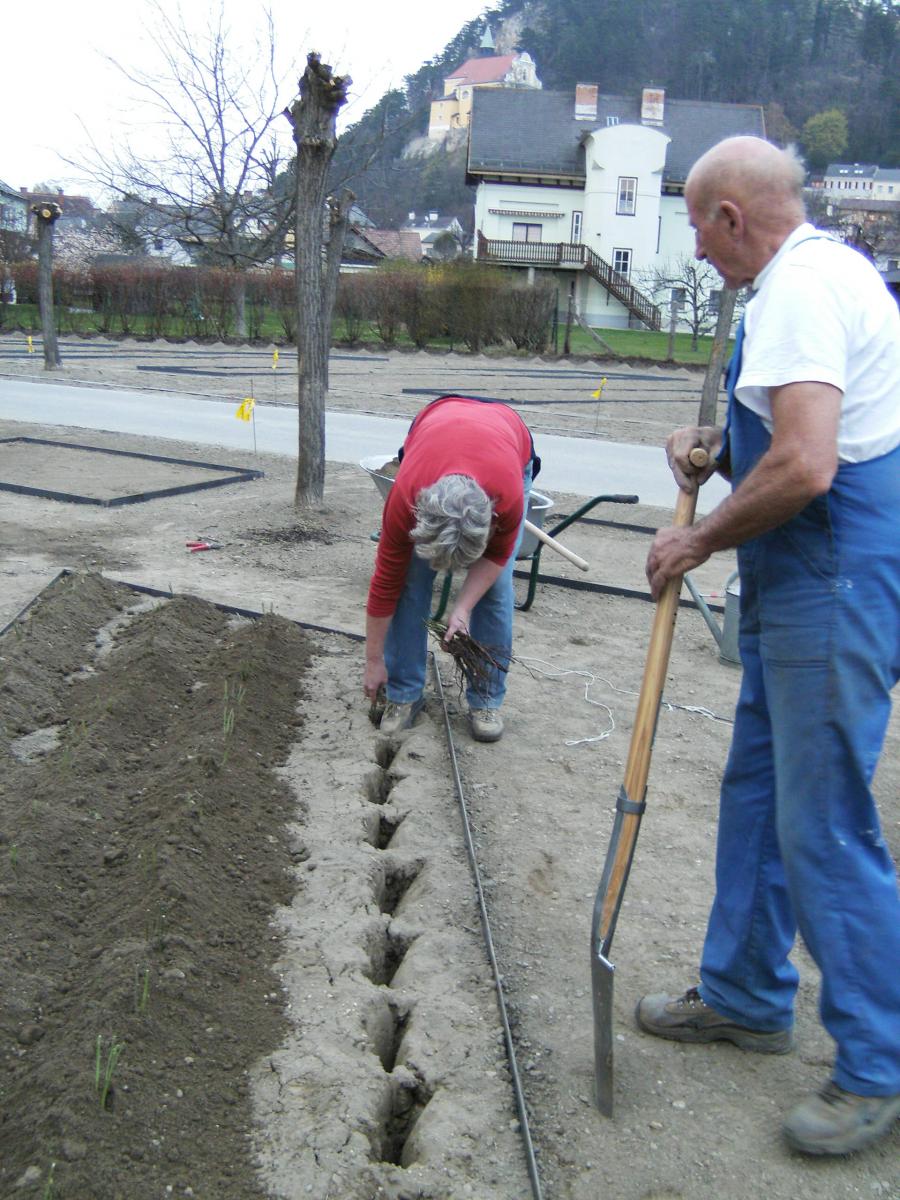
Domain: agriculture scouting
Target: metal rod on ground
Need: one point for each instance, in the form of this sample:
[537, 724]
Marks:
[516, 1079]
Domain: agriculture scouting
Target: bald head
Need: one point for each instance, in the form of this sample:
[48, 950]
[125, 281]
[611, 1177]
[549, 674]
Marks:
[764, 182]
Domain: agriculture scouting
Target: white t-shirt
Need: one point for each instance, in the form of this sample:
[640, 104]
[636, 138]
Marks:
[821, 313]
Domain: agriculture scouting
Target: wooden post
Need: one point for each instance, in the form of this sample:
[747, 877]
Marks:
[711, 382]
[570, 313]
[47, 215]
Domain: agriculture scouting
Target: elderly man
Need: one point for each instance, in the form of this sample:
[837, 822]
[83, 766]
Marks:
[812, 447]
[458, 503]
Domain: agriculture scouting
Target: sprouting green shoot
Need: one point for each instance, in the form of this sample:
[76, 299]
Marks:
[104, 1070]
[48, 1186]
[141, 990]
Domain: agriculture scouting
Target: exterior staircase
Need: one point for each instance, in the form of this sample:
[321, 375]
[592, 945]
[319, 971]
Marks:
[572, 255]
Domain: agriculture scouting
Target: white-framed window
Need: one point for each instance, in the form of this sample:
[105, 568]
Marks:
[625, 205]
[612, 120]
[622, 261]
[524, 232]
[576, 226]
[714, 302]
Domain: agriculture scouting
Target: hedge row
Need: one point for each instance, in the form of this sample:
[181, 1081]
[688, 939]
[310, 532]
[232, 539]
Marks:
[462, 301]
[465, 302]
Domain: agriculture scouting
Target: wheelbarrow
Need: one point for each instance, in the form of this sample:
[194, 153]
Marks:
[529, 550]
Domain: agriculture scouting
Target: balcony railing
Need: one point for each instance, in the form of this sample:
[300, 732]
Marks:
[579, 256]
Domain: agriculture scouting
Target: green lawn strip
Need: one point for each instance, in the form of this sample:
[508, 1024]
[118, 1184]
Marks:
[627, 343]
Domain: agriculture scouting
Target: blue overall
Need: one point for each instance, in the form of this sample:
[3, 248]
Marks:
[799, 842]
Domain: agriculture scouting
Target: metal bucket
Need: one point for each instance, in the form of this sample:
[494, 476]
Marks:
[538, 504]
[728, 646]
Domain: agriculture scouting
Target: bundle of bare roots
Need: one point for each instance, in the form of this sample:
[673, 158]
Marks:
[473, 664]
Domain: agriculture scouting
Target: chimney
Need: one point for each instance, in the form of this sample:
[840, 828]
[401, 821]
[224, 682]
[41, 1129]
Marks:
[653, 104]
[586, 101]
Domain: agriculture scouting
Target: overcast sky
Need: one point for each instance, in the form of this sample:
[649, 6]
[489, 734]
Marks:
[55, 75]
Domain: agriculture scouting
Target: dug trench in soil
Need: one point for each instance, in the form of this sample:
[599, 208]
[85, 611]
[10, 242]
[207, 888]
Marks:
[163, 1035]
[143, 847]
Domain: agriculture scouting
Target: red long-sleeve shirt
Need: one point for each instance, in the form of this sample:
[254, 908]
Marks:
[452, 436]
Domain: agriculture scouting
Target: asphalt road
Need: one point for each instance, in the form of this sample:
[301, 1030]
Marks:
[579, 466]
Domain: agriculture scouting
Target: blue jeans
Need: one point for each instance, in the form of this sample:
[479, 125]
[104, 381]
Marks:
[406, 644]
[800, 844]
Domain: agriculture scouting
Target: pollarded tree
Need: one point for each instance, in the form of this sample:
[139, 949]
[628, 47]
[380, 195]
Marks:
[321, 223]
[210, 186]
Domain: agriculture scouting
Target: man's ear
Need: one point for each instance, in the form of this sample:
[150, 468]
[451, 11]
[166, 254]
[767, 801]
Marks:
[733, 216]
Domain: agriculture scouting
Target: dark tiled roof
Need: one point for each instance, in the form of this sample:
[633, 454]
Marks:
[535, 132]
[852, 170]
[396, 243]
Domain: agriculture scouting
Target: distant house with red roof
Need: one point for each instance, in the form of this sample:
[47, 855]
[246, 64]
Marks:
[453, 109]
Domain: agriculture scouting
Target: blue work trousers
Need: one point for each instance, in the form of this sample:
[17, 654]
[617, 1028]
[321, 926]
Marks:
[406, 644]
[799, 843]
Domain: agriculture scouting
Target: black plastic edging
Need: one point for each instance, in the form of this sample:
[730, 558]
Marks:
[241, 475]
[606, 589]
[250, 613]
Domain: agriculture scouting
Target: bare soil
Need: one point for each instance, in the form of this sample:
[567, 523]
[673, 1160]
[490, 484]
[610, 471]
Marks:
[210, 856]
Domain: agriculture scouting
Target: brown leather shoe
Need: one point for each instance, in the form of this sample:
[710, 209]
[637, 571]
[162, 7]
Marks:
[833, 1121]
[687, 1019]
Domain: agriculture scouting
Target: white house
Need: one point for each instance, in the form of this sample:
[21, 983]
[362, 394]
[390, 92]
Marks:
[590, 188]
[13, 209]
[862, 180]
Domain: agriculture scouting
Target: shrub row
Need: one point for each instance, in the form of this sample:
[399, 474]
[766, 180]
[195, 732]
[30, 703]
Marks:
[161, 300]
[464, 302]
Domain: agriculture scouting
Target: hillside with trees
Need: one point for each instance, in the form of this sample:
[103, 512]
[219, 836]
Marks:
[827, 71]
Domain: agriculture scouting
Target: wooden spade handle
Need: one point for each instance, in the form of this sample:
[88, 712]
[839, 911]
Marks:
[555, 545]
[637, 767]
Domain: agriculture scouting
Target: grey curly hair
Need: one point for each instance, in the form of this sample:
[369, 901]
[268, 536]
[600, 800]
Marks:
[453, 523]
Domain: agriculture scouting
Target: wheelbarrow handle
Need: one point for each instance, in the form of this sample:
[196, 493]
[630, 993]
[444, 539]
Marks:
[555, 545]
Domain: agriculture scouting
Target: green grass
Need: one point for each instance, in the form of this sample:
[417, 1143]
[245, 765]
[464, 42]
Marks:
[630, 343]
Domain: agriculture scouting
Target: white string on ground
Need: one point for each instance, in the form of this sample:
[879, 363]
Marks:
[537, 666]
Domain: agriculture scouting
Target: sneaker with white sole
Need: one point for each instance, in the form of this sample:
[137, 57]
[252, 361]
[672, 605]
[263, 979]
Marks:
[397, 717]
[486, 724]
[688, 1019]
[833, 1121]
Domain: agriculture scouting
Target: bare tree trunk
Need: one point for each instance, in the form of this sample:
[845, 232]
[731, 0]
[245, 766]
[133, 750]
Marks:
[673, 322]
[712, 379]
[47, 215]
[338, 220]
[240, 304]
[313, 117]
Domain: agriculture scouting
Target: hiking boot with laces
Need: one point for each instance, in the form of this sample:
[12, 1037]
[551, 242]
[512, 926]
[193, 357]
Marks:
[397, 717]
[486, 723]
[688, 1019]
[837, 1122]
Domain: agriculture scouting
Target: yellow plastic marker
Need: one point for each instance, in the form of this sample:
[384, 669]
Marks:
[245, 409]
